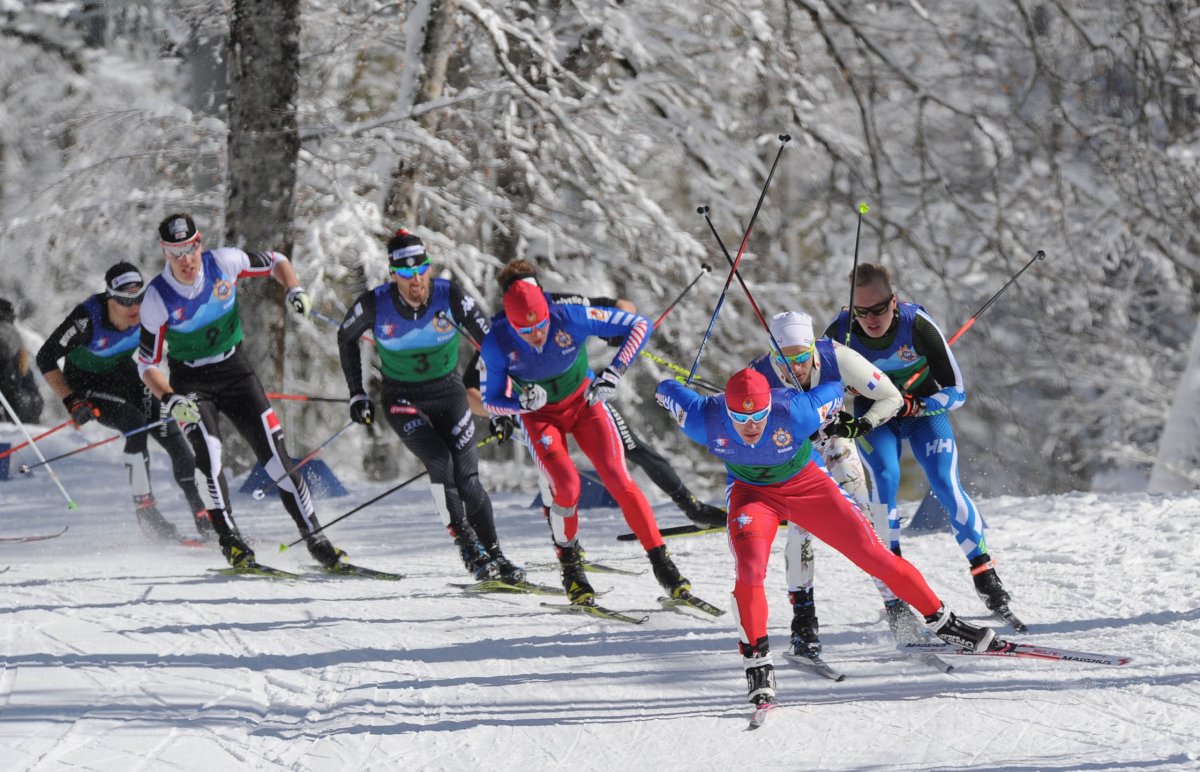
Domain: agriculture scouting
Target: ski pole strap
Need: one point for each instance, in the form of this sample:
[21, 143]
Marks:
[46, 433]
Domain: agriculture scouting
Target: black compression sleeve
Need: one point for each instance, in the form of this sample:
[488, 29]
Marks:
[73, 332]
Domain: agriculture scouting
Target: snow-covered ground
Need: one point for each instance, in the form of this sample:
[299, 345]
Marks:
[121, 656]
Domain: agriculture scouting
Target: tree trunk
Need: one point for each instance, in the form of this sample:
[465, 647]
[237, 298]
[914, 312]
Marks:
[1177, 467]
[263, 147]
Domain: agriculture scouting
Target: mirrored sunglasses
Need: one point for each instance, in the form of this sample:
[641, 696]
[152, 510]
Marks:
[794, 359]
[409, 271]
[180, 251]
[879, 309]
[741, 418]
[539, 326]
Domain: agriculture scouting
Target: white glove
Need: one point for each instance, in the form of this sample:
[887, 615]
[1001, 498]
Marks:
[299, 300]
[603, 386]
[533, 397]
[182, 409]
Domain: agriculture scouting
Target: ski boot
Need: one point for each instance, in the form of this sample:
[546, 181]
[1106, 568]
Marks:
[901, 621]
[805, 642]
[987, 584]
[945, 625]
[476, 559]
[574, 580]
[236, 551]
[204, 525]
[325, 553]
[153, 524]
[703, 515]
[760, 673]
[508, 571]
[667, 574]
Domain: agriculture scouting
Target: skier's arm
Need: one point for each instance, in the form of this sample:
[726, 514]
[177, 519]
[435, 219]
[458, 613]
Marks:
[943, 367]
[607, 322]
[359, 319]
[70, 334]
[810, 409]
[687, 407]
[467, 314]
[494, 380]
[866, 381]
[151, 343]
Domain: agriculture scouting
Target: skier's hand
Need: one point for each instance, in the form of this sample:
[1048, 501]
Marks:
[299, 300]
[502, 427]
[603, 386]
[533, 397]
[183, 409]
[361, 410]
[80, 408]
[848, 426]
[912, 407]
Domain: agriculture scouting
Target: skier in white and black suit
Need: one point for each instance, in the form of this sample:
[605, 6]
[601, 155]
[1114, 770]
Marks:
[191, 311]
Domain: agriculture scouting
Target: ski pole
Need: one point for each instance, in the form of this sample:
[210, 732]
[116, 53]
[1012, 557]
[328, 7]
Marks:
[461, 330]
[749, 296]
[783, 140]
[680, 371]
[704, 268]
[260, 493]
[366, 504]
[13, 414]
[862, 209]
[335, 324]
[305, 398]
[46, 433]
[1039, 255]
[25, 468]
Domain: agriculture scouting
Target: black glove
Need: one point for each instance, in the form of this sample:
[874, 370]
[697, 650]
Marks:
[502, 427]
[80, 409]
[615, 341]
[361, 410]
[912, 406]
[848, 426]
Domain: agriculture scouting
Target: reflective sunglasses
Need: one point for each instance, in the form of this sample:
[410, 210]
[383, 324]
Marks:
[879, 309]
[180, 251]
[794, 359]
[409, 271]
[741, 418]
[539, 326]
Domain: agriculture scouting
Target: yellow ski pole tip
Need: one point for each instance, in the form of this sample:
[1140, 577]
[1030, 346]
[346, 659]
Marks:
[282, 547]
[863, 208]
[72, 505]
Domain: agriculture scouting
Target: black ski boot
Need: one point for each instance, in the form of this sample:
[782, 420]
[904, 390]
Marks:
[951, 629]
[509, 571]
[153, 524]
[805, 642]
[325, 553]
[901, 621]
[703, 515]
[988, 585]
[474, 557]
[760, 673]
[667, 574]
[236, 551]
[574, 580]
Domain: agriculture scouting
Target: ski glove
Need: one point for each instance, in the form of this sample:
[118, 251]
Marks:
[80, 408]
[913, 406]
[603, 386]
[299, 300]
[502, 427]
[361, 410]
[183, 409]
[848, 426]
[533, 397]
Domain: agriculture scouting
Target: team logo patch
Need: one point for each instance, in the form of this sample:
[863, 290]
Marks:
[599, 314]
[907, 354]
[722, 442]
[782, 438]
[513, 357]
[177, 314]
[545, 441]
[875, 376]
[222, 289]
[441, 323]
[387, 330]
[102, 342]
[743, 520]
[748, 404]
[563, 339]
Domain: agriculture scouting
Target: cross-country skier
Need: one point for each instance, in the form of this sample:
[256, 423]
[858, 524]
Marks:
[901, 339]
[762, 437]
[813, 362]
[542, 347]
[190, 313]
[423, 397]
[100, 380]
[637, 450]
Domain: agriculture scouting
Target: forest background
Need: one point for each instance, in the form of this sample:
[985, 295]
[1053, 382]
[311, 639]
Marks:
[584, 135]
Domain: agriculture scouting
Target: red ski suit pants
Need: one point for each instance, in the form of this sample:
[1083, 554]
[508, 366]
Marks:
[597, 436]
[813, 501]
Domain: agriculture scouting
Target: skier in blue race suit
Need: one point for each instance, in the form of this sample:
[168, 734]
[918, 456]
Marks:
[903, 341]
